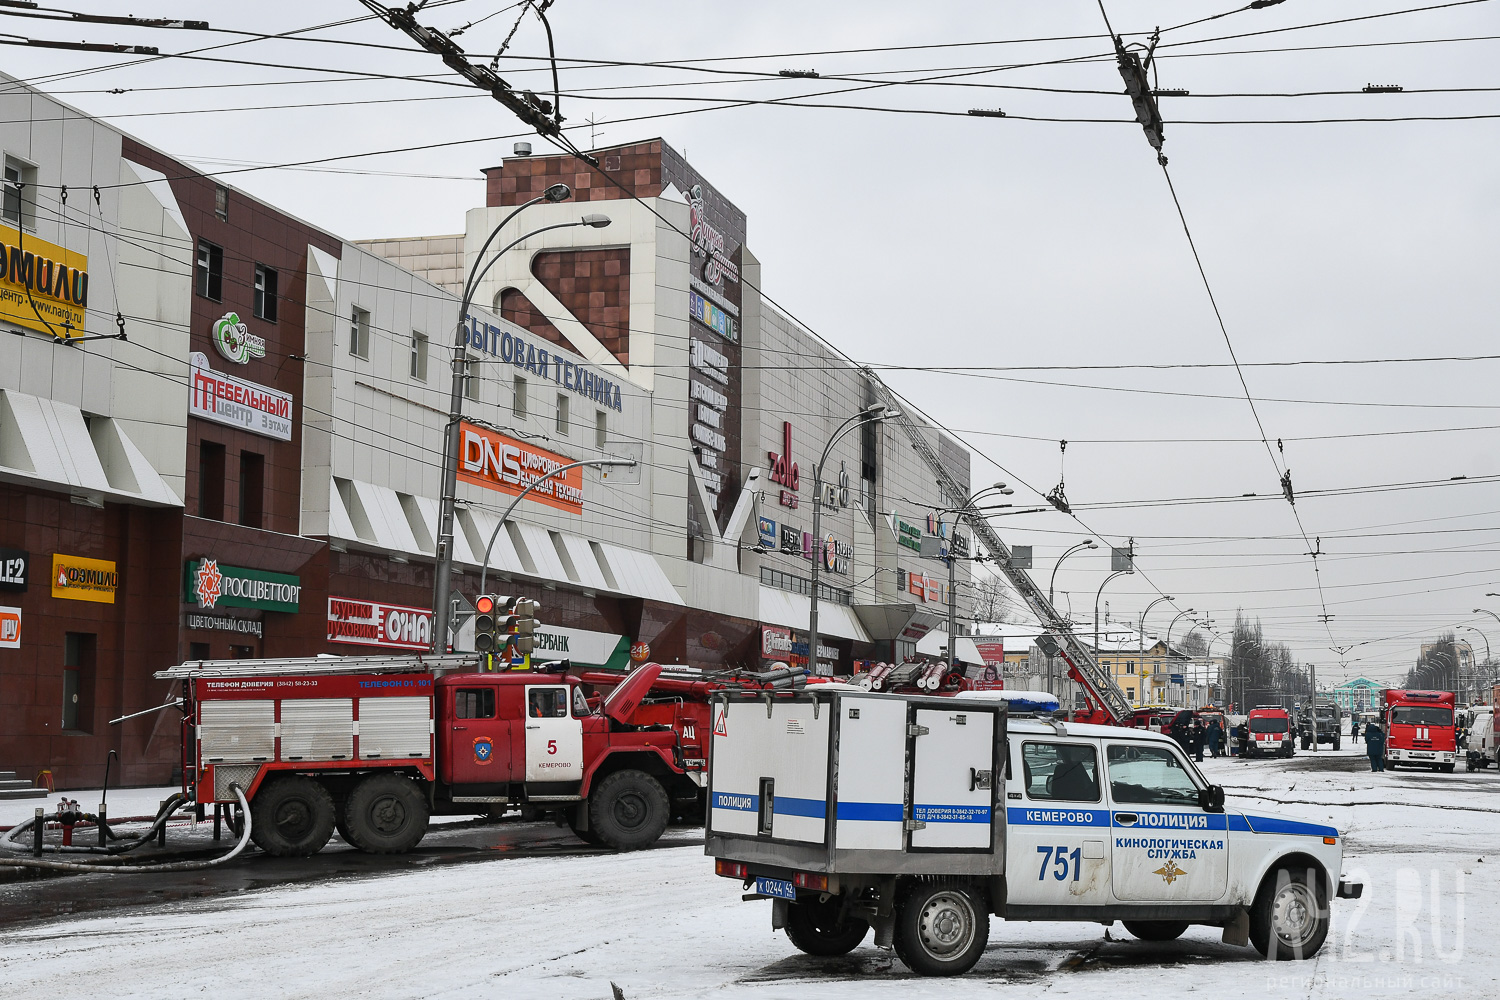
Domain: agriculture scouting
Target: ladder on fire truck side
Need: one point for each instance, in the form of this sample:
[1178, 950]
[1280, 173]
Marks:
[1102, 689]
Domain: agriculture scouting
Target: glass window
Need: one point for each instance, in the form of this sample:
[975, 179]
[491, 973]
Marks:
[547, 703]
[1141, 773]
[419, 356]
[518, 405]
[209, 271]
[562, 414]
[471, 380]
[1061, 772]
[1267, 725]
[1421, 715]
[359, 333]
[601, 429]
[474, 703]
[20, 193]
[221, 203]
[265, 293]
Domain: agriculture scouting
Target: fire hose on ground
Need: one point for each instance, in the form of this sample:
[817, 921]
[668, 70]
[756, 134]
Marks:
[116, 864]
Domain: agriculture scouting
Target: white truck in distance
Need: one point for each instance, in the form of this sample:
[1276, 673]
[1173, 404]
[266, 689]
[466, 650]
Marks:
[920, 816]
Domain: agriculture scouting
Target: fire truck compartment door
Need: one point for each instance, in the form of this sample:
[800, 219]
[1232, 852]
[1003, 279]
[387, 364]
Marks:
[554, 739]
[952, 783]
[871, 774]
[770, 770]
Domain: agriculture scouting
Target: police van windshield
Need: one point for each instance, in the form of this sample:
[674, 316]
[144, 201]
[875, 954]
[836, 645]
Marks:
[1268, 725]
[1149, 774]
[1421, 715]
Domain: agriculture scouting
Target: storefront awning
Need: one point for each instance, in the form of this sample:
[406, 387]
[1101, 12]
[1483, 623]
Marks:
[371, 516]
[778, 607]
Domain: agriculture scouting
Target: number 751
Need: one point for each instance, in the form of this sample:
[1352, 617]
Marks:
[1057, 858]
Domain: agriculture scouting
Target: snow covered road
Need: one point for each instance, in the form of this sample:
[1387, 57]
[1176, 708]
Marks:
[659, 924]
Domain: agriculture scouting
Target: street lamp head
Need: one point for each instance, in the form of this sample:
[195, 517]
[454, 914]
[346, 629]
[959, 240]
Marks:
[595, 221]
[876, 411]
[557, 193]
[1090, 543]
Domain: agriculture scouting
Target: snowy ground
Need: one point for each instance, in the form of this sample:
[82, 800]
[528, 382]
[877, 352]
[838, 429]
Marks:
[659, 924]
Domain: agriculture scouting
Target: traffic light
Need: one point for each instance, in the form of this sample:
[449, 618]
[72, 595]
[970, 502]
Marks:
[486, 635]
[518, 626]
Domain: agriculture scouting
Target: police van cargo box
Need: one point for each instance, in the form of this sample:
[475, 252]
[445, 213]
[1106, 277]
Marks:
[836, 779]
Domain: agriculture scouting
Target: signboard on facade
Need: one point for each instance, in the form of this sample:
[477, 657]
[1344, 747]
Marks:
[775, 642]
[235, 402]
[908, 534]
[767, 529]
[490, 459]
[376, 623]
[75, 578]
[10, 628]
[916, 585]
[539, 360]
[223, 623]
[56, 279]
[991, 651]
[234, 341]
[15, 569]
[210, 584]
[582, 646]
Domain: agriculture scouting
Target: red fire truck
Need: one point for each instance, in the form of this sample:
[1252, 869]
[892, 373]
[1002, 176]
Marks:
[373, 746]
[1419, 729]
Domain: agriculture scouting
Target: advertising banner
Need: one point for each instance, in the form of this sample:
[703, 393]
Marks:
[374, 623]
[75, 578]
[235, 402]
[496, 462]
[991, 651]
[15, 569]
[209, 584]
[10, 628]
[56, 279]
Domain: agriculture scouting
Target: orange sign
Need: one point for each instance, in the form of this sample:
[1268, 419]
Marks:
[494, 461]
[640, 652]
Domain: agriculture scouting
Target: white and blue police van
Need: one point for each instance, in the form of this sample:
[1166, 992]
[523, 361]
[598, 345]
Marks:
[919, 816]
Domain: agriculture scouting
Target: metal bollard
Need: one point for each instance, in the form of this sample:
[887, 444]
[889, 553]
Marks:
[218, 818]
[36, 832]
[103, 823]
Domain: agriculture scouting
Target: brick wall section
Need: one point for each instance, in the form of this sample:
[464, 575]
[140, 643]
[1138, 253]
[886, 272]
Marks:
[594, 285]
[517, 308]
[636, 168]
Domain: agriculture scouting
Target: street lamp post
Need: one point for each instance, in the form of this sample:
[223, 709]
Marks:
[874, 413]
[1140, 637]
[1097, 596]
[1000, 488]
[442, 612]
[1087, 543]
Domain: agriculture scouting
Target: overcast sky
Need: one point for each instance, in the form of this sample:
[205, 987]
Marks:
[945, 241]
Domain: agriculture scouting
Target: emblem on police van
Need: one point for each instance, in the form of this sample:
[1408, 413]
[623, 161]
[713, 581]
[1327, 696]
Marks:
[1169, 872]
[484, 749]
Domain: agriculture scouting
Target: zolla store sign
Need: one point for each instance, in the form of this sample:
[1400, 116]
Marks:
[209, 584]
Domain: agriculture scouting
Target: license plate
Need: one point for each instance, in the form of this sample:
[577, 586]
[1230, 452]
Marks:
[775, 887]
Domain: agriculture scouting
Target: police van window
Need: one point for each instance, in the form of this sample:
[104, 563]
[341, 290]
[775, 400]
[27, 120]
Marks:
[1149, 775]
[474, 703]
[1061, 772]
[547, 703]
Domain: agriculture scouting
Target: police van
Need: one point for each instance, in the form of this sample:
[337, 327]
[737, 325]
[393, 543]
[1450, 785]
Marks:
[919, 816]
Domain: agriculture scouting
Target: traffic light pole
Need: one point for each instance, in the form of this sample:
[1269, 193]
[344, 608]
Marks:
[484, 565]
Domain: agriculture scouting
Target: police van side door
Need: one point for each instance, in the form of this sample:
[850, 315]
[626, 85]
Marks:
[1165, 846]
[1057, 823]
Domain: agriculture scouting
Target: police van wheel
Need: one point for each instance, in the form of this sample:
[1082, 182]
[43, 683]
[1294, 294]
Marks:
[291, 817]
[821, 928]
[386, 814]
[1156, 930]
[629, 810]
[1290, 917]
[941, 930]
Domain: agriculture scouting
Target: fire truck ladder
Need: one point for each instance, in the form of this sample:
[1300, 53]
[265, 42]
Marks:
[324, 665]
[1100, 686]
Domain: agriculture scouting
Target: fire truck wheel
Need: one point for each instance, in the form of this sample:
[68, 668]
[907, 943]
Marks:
[941, 930]
[1447, 769]
[1289, 918]
[1156, 930]
[291, 817]
[821, 928]
[628, 810]
[386, 814]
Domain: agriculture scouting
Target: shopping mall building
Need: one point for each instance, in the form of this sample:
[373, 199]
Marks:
[254, 471]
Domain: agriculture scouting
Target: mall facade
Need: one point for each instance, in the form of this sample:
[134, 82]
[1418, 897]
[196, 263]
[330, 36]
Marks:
[254, 470]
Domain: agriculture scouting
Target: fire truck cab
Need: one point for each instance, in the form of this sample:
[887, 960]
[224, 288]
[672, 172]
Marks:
[1271, 733]
[1419, 729]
